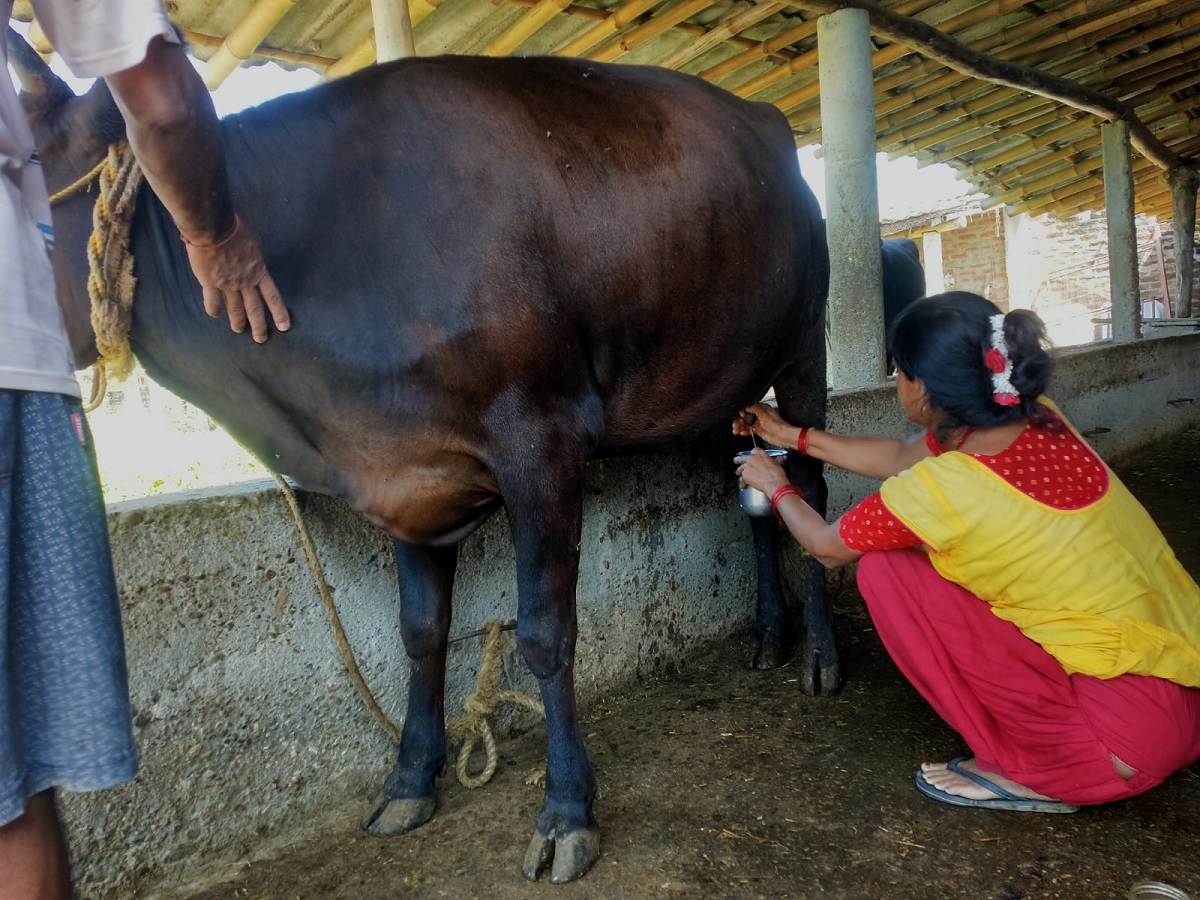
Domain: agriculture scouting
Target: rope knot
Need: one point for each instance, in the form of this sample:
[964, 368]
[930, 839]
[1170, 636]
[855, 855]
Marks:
[474, 728]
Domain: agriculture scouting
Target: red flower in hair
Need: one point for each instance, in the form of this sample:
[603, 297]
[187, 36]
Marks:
[994, 360]
[1006, 399]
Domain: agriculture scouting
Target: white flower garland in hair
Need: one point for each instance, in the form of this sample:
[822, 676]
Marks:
[998, 363]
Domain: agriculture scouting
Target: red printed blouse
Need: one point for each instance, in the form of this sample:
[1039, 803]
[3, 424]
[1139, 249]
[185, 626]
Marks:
[1046, 461]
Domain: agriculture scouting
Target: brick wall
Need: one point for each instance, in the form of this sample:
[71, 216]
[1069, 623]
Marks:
[973, 257]
[1065, 263]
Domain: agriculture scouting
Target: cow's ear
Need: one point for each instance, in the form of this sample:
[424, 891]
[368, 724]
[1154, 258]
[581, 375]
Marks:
[41, 89]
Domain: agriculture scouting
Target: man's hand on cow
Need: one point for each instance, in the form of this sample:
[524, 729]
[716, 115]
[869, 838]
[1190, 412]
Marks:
[232, 273]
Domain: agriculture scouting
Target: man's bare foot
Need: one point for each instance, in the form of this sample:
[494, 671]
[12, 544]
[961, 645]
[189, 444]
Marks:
[942, 777]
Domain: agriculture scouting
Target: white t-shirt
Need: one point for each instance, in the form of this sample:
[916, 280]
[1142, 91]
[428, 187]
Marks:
[96, 38]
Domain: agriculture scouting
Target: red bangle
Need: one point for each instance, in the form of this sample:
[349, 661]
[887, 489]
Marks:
[200, 245]
[784, 490]
[802, 441]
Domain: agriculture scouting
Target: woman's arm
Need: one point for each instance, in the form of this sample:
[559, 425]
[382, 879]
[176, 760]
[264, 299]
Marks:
[822, 540]
[872, 457]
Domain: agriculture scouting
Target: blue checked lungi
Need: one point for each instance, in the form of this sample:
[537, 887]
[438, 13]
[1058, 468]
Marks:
[64, 699]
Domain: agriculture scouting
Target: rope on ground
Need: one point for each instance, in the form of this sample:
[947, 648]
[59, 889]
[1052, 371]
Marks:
[335, 621]
[474, 727]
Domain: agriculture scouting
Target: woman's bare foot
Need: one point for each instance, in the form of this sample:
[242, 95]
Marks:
[942, 777]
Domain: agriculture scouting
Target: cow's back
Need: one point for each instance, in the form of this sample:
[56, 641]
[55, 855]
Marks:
[458, 235]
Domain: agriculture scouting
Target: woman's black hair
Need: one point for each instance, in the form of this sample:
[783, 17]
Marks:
[942, 340]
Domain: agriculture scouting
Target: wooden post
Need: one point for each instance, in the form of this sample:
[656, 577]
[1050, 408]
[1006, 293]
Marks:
[1183, 228]
[393, 30]
[244, 38]
[1122, 233]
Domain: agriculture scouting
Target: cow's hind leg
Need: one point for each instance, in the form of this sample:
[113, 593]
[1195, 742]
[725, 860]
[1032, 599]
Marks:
[801, 395]
[545, 514]
[426, 578]
[769, 641]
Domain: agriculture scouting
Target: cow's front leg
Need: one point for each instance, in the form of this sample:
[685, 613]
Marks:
[426, 577]
[546, 531]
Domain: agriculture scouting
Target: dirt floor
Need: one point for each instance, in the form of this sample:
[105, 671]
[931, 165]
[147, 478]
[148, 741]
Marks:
[721, 782]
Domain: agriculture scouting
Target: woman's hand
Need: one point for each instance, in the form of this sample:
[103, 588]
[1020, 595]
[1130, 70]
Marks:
[760, 470]
[763, 421]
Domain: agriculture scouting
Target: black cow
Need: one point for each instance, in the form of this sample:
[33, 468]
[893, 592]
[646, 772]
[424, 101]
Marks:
[903, 277]
[496, 269]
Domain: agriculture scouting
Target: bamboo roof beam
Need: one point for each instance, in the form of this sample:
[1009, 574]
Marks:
[1016, 179]
[923, 137]
[245, 37]
[956, 56]
[653, 27]
[1167, 80]
[812, 90]
[949, 87]
[212, 42]
[1034, 144]
[795, 66]
[531, 22]
[605, 28]
[803, 104]
[809, 59]
[962, 149]
[1087, 35]
[732, 26]
[752, 55]
[363, 53]
[1090, 194]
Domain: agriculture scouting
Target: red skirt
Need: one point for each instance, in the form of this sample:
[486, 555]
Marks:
[1022, 715]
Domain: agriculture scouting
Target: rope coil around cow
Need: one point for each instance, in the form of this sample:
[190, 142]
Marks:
[110, 261]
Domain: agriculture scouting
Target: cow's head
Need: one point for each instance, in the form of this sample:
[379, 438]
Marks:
[72, 135]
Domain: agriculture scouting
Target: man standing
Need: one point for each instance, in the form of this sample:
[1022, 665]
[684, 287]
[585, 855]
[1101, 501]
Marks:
[64, 705]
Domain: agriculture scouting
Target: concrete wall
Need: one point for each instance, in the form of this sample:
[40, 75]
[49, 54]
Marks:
[250, 731]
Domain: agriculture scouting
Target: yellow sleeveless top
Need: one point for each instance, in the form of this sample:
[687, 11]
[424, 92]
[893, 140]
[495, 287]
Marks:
[1098, 587]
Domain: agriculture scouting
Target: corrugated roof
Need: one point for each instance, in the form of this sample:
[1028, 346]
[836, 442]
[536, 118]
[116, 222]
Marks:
[1141, 57]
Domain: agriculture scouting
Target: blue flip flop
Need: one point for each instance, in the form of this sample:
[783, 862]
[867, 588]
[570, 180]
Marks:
[1003, 799]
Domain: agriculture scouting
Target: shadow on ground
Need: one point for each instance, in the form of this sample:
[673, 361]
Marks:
[727, 783]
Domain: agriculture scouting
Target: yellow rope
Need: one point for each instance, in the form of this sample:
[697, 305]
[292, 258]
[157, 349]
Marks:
[99, 387]
[110, 262]
[469, 730]
[473, 727]
[80, 184]
[335, 622]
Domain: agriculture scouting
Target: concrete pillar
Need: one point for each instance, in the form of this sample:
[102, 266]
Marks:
[1122, 232]
[1023, 276]
[935, 271]
[393, 30]
[856, 330]
[1183, 226]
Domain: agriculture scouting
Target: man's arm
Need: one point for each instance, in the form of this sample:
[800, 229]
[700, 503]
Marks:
[176, 137]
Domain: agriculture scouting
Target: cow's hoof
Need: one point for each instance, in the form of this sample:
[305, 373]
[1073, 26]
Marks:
[569, 856]
[767, 650]
[821, 681]
[400, 815]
